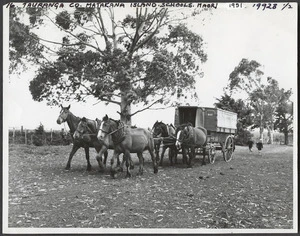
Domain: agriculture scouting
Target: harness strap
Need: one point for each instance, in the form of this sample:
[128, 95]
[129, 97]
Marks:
[117, 137]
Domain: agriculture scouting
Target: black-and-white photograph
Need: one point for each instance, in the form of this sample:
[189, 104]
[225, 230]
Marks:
[150, 117]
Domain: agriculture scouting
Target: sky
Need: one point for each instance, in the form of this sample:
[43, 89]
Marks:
[268, 36]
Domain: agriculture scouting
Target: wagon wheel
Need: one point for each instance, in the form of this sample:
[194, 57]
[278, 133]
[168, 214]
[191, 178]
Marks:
[228, 148]
[211, 154]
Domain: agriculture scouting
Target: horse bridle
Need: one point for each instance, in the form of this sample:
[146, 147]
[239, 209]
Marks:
[157, 135]
[161, 130]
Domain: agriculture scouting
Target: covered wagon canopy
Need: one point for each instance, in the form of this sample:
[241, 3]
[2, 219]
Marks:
[213, 119]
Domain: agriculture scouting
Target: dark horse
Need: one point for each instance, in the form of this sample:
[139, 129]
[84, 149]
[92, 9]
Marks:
[85, 131]
[73, 121]
[127, 140]
[167, 133]
[188, 138]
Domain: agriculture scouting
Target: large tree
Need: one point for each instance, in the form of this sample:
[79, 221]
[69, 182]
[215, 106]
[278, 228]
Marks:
[262, 97]
[265, 101]
[284, 115]
[146, 57]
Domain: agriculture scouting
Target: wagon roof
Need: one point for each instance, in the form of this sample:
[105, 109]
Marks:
[211, 108]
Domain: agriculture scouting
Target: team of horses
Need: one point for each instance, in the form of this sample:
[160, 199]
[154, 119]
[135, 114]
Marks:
[122, 139]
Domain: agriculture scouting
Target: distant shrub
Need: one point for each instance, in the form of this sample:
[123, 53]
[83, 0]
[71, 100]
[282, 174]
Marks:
[242, 137]
[39, 136]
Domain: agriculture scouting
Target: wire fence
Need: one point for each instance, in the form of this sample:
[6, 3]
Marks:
[31, 137]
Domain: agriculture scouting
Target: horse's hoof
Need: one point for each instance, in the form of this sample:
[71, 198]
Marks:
[113, 174]
[155, 170]
[128, 175]
[140, 173]
[67, 168]
[89, 168]
[189, 166]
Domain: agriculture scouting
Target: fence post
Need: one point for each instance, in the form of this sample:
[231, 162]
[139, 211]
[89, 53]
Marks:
[26, 136]
[21, 129]
[14, 135]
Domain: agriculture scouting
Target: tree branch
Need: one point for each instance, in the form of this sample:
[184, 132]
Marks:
[147, 39]
[81, 41]
[145, 108]
[101, 24]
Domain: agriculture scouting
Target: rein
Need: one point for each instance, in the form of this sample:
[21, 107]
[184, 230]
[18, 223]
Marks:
[112, 131]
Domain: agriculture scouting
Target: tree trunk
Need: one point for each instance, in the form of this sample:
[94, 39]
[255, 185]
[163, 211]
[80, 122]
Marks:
[270, 135]
[286, 138]
[261, 133]
[125, 107]
[261, 128]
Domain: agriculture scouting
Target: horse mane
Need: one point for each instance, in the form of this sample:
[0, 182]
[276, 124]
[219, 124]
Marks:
[119, 135]
[183, 126]
[163, 126]
[93, 125]
[73, 121]
[172, 126]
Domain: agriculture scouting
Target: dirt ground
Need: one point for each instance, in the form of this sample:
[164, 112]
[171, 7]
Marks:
[251, 191]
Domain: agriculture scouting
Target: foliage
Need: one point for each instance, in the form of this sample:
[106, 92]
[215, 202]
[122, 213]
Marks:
[23, 44]
[147, 57]
[263, 98]
[246, 76]
[244, 118]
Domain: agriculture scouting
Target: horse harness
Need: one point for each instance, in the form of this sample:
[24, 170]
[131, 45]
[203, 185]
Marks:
[119, 134]
[90, 132]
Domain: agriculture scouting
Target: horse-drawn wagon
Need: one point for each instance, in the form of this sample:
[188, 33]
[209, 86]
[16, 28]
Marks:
[220, 126]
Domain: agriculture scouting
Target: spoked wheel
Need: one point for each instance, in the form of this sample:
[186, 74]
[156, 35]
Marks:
[228, 148]
[211, 154]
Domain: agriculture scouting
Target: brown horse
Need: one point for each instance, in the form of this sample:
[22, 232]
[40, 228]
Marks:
[188, 138]
[73, 121]
[127, 140]
[167, 133]
[85, 130]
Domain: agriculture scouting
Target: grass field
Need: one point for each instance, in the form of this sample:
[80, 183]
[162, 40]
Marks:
[251, 191]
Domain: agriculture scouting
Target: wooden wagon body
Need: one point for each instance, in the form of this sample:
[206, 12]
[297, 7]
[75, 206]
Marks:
[220, 125]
